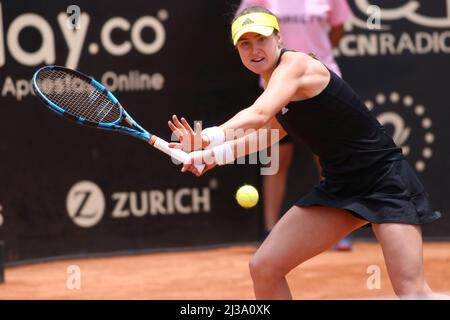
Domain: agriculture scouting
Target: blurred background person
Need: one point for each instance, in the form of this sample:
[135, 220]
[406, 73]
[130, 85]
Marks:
[310, 26]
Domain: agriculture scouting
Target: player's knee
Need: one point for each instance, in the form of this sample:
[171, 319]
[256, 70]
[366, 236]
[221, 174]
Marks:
[263, 269]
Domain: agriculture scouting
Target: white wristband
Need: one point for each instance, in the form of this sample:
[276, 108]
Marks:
[215, 135]
[223, 154]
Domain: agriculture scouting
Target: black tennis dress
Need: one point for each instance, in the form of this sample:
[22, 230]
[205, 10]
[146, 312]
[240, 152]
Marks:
[364, 171]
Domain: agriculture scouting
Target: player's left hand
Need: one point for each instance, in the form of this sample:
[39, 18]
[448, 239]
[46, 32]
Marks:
[190, 140]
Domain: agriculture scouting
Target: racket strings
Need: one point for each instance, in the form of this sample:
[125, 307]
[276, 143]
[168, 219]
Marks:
[77, 97]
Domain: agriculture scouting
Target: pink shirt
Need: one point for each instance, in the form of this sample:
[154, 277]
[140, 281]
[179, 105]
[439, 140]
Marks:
[305, 24]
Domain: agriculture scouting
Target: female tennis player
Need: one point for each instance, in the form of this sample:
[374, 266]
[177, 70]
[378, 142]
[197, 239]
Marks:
[367, 179]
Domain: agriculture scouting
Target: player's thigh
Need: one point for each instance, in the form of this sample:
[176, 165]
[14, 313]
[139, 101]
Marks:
[302, 233]
[402, 249]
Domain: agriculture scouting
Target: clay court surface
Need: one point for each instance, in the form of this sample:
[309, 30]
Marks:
[220, 273]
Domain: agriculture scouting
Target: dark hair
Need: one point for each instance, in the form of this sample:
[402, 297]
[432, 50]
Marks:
[252, 10]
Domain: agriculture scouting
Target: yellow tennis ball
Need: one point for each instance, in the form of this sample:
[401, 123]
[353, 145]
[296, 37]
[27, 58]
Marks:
[247, 196]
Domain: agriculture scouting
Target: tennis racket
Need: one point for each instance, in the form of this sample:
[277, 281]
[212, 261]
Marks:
[80, 98]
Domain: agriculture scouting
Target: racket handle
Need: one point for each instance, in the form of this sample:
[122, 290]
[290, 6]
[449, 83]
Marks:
[178, 154]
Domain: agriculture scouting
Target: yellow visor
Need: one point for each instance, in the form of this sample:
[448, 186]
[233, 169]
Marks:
[258, 22]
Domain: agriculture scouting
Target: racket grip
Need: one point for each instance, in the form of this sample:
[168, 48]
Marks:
[178, 154]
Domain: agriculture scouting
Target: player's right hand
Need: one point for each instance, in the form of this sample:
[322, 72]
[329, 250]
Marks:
[199, 157]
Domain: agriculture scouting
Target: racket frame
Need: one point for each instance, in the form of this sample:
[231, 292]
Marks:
[136, 130]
